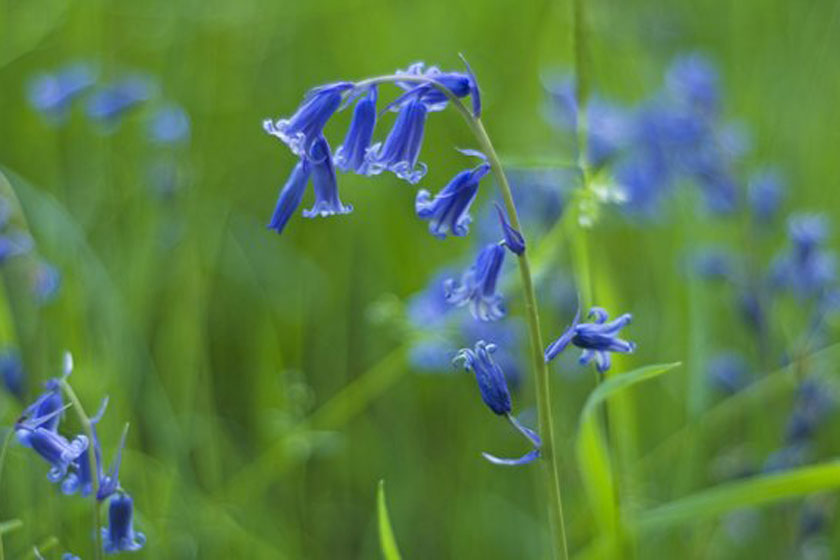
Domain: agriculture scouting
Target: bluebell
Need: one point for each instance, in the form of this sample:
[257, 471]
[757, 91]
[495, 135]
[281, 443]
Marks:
[693, 80]
[596, 339]
[460, 84]
[307, 124]
[109, 103]
[290, 196]
[513, 238]
[11, 373]
[477, 287]
[805, 269]
[169, 124]
[52, 94]
[728, 372]
[324, 182]
[57, 450]
[765, 195]
[352, 154]
[448, 211]
[401, 150]
[43, 413]
[120, 535]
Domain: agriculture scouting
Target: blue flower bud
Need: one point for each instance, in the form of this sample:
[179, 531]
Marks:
[291, 196]
[513, 239]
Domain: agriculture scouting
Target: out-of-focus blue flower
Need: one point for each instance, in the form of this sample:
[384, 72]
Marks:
[429, 308]
[693, 80]
[401, 150]
[608, 129]
[448, 211]
[644, 182]
[290, 196]
[14, 244]
[108, 104]
[813, 405]
[513, 239]
[539, 195]
[324, 182]
[46, 282]
[806, 269]
[52, 94]
[491, 380]
[562, 109]
[595, 339]
[713, 263]
[786, 458]
[169, 124]
[352, 155]
[307, 124]
[120, 535]
[478, 285]
[728, 372]
[11, 372]
[56, 450]
[44, 413]
[495, 394]
[765, 194]
[69, 556]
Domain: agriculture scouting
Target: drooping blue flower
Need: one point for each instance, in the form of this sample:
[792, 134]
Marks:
[401, 149]
[11, 372]
[490, 378]
[52, 94]
[169, 124]
[303, 128]
[324, 182]
[806, 269]
[608, 129]
[477, 287]
[352, 155]
[513, 239]
[813, 405]
[120, 535]
[693, 80]
[460, 84]
[56, 450]
[507, 335]
[728, 372]
[290, 196]
[109, 103]
[448, 211]
[14, 244]
[765, 194]
[495, 394]
[595, 339]
[44, 413]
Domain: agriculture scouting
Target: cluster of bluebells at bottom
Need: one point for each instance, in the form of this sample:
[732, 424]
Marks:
[425, 90]
[70, 464]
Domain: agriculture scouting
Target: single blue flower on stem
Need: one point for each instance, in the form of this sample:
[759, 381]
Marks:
[448, 211]
[401, 150]
[595, 339]
[110, 103]
[52, 94]
[478, 285]
[307, 124]
[324, 182]
[120, 535]
[495, 394]
[291, 196]
[352, 155]
[513, 239]
[57, 450]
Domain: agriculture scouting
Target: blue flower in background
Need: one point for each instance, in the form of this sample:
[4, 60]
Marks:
[14, 244]
[56, 450]
[108, 104]
[307, 124]
[813, 405]
[120, 535]
[713, 263]
[693, 80]
[352, 155]
[478, 285]
[401, 149]
[290, 196]
[595, 339]
[562, 109]
[169, 124]
[728, 372]
[11, 373]
[448, 211]
[806, 270]
[765, 194]
[608, 129]
[324, 182]
[52, 94]
[46, 282]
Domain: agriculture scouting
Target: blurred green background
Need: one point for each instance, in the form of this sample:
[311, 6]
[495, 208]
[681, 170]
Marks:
[264, 401]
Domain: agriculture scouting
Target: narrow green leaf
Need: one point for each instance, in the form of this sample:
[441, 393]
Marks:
[593, 454]
[386, 535]
[755, 491]
[9, 526]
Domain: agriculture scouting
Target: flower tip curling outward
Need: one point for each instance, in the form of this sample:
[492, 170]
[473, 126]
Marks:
[120, 535]
[513, 239]
[596, 339]
[291, 196]
[478, 285]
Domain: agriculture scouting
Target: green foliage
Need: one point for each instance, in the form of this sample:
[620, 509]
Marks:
[387, 541]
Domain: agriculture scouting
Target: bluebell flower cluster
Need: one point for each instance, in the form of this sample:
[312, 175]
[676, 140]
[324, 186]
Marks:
[70, 461]
[399, 153]
[597, 340]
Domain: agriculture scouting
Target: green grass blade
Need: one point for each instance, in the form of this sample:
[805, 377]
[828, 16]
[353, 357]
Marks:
[9, 526]
[387, 542]
[756, 491]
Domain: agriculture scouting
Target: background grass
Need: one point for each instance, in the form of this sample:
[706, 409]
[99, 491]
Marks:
[229, 349]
